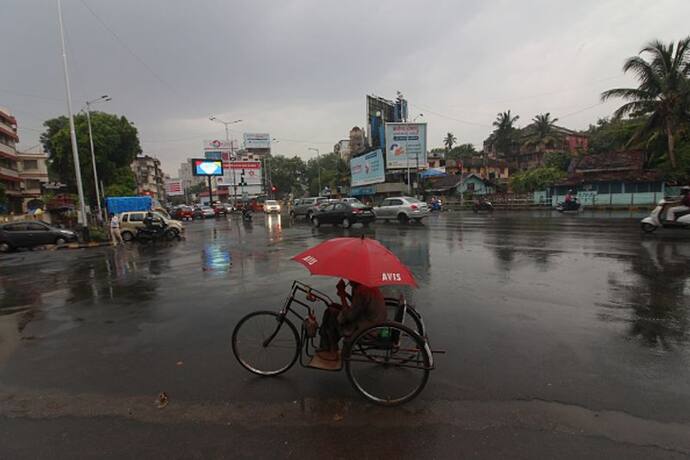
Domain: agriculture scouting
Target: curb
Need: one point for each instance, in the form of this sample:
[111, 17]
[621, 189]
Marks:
[82, 245]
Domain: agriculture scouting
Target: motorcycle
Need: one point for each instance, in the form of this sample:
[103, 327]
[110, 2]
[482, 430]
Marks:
[657, 218]
[482, 206]
[572, 206]
[246, 215]
[149, 234]
[436, 205]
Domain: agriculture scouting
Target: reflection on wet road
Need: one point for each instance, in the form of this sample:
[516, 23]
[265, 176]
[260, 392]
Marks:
[578, 309]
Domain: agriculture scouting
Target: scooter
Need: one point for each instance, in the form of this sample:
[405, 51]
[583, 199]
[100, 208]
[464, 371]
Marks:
[573, 206]
[657, 218]
[146, 235]
[436, 206]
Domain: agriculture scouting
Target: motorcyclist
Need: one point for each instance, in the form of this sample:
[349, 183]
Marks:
[683, 207]
[570, 200]
[153, 223]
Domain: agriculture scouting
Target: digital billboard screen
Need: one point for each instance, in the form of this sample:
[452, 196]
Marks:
[203, 167]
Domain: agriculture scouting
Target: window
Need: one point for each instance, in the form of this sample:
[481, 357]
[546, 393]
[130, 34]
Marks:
[394, 202]
[125, 218]
[655, 186]
[603, 188]
[14, 227]
[643, 187]
[136, 217]
[32, 184]
[470, 186]
[36, 227]
[30, 164]
[340, 207]
[616, 187]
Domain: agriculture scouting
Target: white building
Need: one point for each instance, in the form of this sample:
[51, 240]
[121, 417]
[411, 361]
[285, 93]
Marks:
[33, 173]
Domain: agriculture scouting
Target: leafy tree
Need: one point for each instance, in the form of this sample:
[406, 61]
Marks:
[663, 93]
[288, 174]
[198, 188]
[541, 133]
[462, 152]
[557, 160]
[536, 179]
[610, 135]
[334, 172]
[505, 132]
[116, 144]
[449, 141]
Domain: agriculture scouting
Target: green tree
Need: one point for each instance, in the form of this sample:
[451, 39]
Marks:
[663, 93]
[462, 152]
[334, 172]
[288, 174]
[557, 160]
[116, 144]
[505, 133]
[541, 133]
[536, 179]
[449, 141]
[611, 135]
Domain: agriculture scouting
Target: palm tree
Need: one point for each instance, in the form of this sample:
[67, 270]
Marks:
[542, 132]
[663, 95]
[449, 141]
[505, 131]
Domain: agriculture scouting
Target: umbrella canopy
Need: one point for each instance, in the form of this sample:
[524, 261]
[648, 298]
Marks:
[363, 260]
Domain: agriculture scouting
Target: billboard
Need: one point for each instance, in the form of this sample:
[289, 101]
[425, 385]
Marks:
[233, 173]
[216, 145]
[405, 145]
[367, 169]
[203, 167]
[173, 187]
[257, 141]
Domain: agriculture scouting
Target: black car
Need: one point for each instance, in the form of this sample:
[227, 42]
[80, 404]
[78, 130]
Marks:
[29, 234]
[345, 214]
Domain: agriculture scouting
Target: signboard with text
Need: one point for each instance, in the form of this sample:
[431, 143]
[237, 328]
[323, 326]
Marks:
[405, 145]
[367, 169]
[173, 187]
[233, 173]
[257, 141]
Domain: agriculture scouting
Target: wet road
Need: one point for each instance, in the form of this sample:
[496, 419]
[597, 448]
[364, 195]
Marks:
[566, 336]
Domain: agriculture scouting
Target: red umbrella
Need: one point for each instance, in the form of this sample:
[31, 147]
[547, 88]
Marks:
[363, 260]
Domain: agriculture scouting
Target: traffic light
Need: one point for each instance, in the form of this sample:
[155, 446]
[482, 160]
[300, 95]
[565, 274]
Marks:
[273, 188]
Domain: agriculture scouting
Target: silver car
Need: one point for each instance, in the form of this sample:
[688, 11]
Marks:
[402, 208]
[305, 206]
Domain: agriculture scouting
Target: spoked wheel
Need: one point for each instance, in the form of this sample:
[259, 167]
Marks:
[265, 343]
[388, 364]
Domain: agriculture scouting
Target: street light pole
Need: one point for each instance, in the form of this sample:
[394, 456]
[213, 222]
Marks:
[73, 134]
[232, 152]
[93, 155]
[318, 167]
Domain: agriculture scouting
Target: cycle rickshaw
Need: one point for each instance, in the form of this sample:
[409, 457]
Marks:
[388, 363]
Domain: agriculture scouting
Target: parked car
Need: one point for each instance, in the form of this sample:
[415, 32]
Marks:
[183, 213]
[402, 208]
[305, 206]
[345, 214]
[271, 206]
[31, 234]
[133, 220]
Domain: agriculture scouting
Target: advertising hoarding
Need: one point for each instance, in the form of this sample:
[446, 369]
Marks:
[203, 167]
[233, 172]
[174, 187]
[257, 141]
[405, 145]
[367, 169]
[216, 145]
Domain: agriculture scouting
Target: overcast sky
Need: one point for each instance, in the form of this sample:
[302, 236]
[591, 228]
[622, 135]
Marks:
[300, 69]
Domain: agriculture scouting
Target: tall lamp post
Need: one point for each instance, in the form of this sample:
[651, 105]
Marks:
[227, 139]
[318, 167]
[104, 98]
[72, 132]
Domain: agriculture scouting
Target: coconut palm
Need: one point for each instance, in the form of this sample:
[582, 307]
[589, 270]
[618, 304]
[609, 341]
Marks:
[504, 134]
[663, 94]
[449, 141]
[542, 133]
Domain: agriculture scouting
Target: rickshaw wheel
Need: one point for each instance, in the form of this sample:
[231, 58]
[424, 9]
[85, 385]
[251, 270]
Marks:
[388, 363]
[254, 353]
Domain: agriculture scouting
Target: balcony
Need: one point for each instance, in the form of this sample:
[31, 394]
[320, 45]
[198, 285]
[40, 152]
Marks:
[8, 174]
[6, 150]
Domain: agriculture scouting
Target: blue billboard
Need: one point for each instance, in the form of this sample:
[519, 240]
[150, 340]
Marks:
[368, 169]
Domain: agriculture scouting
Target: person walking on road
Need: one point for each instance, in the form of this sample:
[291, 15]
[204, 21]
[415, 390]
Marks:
[115, 235]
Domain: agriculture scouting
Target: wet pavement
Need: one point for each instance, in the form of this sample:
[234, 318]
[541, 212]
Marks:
[566, 336]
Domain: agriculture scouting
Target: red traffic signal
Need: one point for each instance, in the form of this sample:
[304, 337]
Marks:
[273, 188]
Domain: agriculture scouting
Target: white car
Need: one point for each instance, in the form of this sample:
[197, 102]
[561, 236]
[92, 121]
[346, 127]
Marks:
[271, 206]
[402, 208]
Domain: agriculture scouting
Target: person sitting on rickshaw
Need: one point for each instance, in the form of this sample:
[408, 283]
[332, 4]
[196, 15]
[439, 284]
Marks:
[363, 308]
